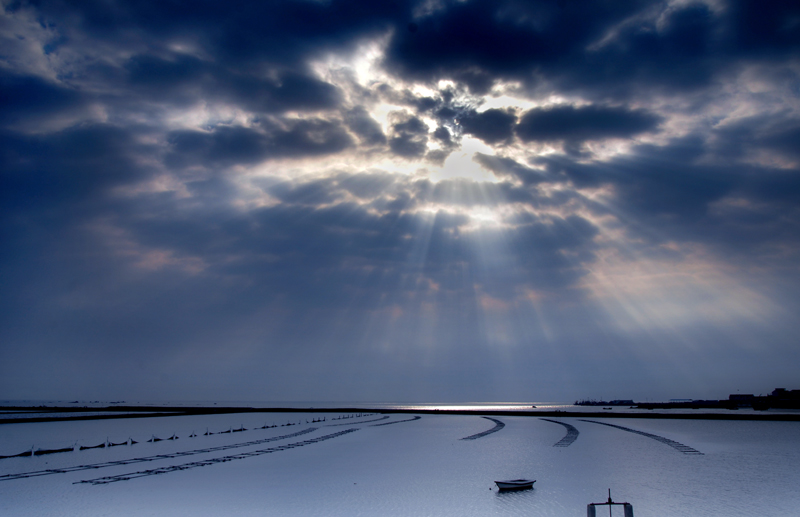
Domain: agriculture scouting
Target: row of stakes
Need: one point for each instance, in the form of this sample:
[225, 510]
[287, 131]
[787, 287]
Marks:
[130, 441]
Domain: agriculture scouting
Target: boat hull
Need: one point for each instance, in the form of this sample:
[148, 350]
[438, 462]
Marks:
[515, 484]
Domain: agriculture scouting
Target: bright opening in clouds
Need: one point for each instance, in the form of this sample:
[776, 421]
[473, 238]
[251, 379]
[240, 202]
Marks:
[398, 201]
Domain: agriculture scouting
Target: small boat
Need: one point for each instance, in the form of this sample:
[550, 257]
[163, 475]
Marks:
[515, 484]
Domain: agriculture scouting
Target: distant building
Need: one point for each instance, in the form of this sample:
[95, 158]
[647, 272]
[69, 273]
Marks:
[781, 397]
[742, 399]
[784, 394]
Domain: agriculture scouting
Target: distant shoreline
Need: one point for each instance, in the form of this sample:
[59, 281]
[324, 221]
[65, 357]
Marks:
[163, 411]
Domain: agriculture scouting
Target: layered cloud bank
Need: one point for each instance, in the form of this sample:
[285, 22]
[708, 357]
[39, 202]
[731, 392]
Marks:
[452, 200]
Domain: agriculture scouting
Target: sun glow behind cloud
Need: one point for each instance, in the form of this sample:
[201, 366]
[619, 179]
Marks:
[461, 165]
[627, 297]
[630, 302]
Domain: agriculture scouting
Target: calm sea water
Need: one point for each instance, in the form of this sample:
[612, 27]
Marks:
[416, 467]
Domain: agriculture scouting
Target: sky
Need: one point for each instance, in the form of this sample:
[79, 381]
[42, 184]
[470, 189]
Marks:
[436, 200]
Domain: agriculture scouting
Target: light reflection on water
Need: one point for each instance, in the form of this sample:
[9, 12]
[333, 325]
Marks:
[478, 406]
[567, 407]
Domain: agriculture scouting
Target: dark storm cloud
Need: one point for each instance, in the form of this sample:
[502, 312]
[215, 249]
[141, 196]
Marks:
[668, 193]
[508, 168]
[578, 124]
[289, 91]
[407, 145]
[492, 126]
[183, 79]
[480, 41]
[313, 194]
[308, 244]
[602, 49]
[231, 145]
[409, 137]
[677, 52]
[239, 32]
[785, 141]
[446, 106]
[775, 133]
[23, 98]
[367, 185]
[685, 48]
[69, 169]
[649, 187]
[412, 125]
[556, 250]
[360, 123]
[765, 30]
[442, 134]
[243, 53]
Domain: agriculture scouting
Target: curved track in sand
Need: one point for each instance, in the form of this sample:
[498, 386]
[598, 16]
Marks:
[685, 449]
[571, 436]
[498, 425]
[397, 421]
[93, 466]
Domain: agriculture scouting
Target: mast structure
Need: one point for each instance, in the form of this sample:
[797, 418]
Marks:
[591, 508]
